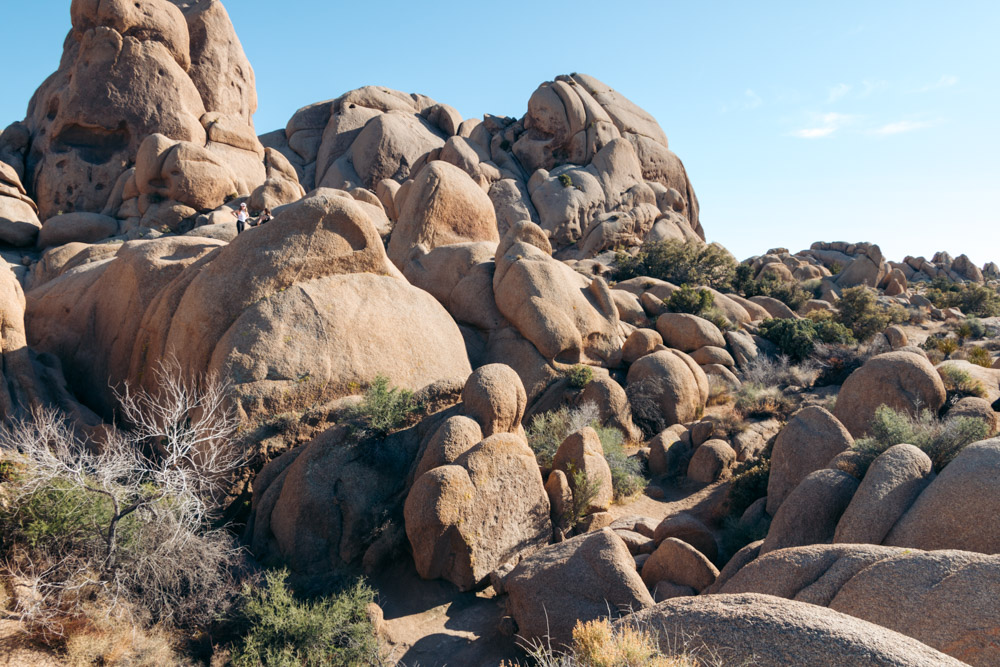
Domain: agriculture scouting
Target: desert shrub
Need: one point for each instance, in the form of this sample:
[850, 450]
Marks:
[860, 311]
[121, 533]
[970, 328]
[779, 371]
[970, 298]
[585, 492]
[282, 631]
[690, 300]
[643, 397]
[626, 472]
[548, 430]
[679, 262]
[718, 318]
[940, 440]
[579, 376]
[382, 410]
[980, 356]
[754, 400]
[719, 391]
[749, 484]
[837, 362]
[797, 338]
[959, 383]
[792, 295]
[566, 180]
[598, 643]
[100, 639]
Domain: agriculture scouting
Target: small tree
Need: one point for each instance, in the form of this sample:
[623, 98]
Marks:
[123, 521]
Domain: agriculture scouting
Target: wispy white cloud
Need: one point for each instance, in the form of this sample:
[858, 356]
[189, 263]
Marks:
[752, 100]
[825, 125]
[899, 127]
[749, 100]
[946, 81]
[814, 132]
[838, 91]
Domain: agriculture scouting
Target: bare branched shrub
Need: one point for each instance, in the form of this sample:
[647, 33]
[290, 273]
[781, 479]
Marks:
[643, 397]
[780, 372]
[122, 524]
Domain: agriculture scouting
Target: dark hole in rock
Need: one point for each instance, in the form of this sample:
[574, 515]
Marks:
[95, 145]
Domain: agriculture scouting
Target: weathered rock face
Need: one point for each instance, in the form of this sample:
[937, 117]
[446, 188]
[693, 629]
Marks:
[811, 439]
[182, 59]
[773, 632]
[810, 513]
[567, 317]
[453, 518]
[305, 321]
[579, 579]
[675, 385]
[902, 380]
[19, 223]
[940, 598]
[892, 483]
[587, 165]
[958, 509]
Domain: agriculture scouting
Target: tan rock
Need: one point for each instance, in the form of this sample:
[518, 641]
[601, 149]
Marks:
[901, 380]
[76, 227]
[977, 408]
[678, 562]
[670, 451]
[494, 397]
[688, 332]
[811, 439]
[774, 308]
[673, 384]
[713, 355]
[710, 461]
[892, 483]
[451, 512]
[810, 513]
[773, 632]
[639, 343]
[687, 528]
[443, 207]
[582, 452]
[956, 510]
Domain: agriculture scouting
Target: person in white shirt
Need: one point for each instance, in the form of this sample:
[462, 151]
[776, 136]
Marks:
[242, 215]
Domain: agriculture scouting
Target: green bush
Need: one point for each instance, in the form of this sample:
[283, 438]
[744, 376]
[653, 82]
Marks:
[940, 440]
[566, 180]
[980, 356]
[958, 382]
[749, 484]
[383, 409]
[971, 328]
[798, 338]
[679, 262]
[859, 310]
[792, 295]
[548, 430]
[753, 400]
[970, 298]
[585, 492]
[690, 300]
[626, 472]
[580, 376]
[285, 632]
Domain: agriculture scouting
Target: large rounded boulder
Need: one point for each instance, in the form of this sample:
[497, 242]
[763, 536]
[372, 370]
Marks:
[901, 380]
[674, 385]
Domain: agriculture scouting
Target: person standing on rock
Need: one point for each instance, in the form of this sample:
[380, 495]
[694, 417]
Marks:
[241, 218]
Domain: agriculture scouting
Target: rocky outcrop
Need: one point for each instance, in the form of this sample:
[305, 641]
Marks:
[773, 632]
[584, 578]
[182, 59]
[936, 597]
[811, 439]
[304, 322]
[901, 380]
[451, 513]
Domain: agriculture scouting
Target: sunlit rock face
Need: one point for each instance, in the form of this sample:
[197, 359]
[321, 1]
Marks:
[129, 70]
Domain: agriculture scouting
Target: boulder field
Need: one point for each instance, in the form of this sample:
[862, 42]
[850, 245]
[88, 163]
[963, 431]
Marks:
[583, 444]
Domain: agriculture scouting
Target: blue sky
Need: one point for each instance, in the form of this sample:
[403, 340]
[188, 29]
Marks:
[797, 121]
